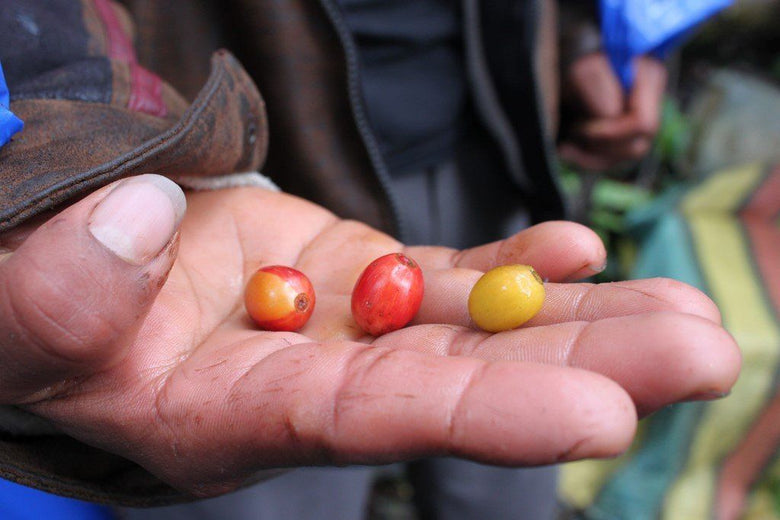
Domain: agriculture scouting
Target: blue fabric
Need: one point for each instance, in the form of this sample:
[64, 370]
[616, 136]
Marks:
[631, 28]
[23, 503]
[9, 123]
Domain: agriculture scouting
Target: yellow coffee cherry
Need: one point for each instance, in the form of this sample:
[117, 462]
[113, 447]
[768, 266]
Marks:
[506, 297]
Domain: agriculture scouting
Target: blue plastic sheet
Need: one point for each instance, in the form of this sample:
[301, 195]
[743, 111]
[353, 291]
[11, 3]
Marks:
[631, 28]
[23, 503]
[9, 123]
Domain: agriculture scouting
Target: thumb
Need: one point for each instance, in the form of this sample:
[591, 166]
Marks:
[74, 293]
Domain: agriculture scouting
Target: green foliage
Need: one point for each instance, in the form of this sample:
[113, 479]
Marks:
[674, 136]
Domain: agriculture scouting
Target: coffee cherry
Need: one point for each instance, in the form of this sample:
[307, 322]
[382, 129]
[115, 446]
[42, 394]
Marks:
[279, 298]
[506, 297]
[388, 294]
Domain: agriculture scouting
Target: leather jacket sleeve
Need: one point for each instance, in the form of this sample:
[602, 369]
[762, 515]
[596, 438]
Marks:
[94, 114]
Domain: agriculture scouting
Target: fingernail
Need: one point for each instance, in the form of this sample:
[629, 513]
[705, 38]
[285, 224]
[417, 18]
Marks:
[597, 268]
[708, 396]
[586, 272]
[138, 217]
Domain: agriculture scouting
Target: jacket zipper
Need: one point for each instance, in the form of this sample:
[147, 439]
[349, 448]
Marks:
[548, 149]
[359, 112]
[486, 101]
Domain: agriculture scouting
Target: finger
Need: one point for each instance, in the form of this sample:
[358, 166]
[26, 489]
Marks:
[642, 115]
[446, 294]
[606, 155]
[647, 95]
[616, 134]
[632, 143]
[557, 250]
[593, 86]
[78, 286]
[594, 160]
[347, 404]
[658, 357]
[590, 302]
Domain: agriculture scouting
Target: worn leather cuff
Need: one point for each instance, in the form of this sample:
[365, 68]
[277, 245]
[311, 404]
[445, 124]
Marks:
[69, 147]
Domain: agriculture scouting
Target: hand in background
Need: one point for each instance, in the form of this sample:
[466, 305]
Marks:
[609, 127]
[127, 331]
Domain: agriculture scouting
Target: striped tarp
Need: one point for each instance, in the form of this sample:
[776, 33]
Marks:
[716, 459]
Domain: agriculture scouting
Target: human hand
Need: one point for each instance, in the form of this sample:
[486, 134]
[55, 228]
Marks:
[152, 356]
[610, 129]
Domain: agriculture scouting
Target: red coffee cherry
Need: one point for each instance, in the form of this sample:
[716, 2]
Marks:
[388, 294]
[279, 298]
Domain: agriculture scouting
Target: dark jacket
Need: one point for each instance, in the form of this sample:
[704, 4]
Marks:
[96, 109]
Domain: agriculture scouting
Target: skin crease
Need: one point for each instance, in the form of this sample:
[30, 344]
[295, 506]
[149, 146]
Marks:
[173, 376]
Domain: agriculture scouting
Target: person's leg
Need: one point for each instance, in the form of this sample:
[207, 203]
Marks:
[305, 494]
[454, 489]
[460, 204]
[438, 205]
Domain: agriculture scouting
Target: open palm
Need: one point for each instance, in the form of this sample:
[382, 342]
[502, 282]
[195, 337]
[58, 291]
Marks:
[181, 382]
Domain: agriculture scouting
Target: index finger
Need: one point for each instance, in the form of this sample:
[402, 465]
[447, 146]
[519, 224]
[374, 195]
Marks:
[559, 251]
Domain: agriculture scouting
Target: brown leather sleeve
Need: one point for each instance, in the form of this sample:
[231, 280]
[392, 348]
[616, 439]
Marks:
[93, 114]
[69, 148]
[59, 464]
